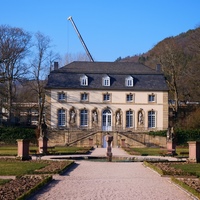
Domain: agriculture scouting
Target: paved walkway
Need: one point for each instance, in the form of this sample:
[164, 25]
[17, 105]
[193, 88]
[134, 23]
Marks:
[88, 180]
[115, 152]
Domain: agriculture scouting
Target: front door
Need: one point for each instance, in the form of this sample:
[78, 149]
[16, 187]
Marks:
[107, 120]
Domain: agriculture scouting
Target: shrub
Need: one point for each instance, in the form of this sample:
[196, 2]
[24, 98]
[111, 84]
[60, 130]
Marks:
[158, 133]
[183, 136]
[9, 135]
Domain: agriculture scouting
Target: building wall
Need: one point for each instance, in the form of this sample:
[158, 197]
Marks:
[118, 102]
[98, 139]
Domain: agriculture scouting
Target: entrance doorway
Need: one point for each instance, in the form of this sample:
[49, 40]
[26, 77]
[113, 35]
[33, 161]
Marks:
[107, 120]
[104, 141]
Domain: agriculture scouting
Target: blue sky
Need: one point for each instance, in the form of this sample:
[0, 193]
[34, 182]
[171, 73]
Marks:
[110, 28]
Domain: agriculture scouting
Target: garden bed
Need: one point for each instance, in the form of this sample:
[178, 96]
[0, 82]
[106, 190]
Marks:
[184, 174]
[24, 185]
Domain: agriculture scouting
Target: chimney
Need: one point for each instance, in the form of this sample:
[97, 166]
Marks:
[158, 68]
[55, 65]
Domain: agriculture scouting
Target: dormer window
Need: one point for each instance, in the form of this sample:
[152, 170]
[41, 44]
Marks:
[106, 81]
[84, 80]
[129, 81]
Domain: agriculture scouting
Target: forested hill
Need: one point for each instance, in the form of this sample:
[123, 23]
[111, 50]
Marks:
[179, 57]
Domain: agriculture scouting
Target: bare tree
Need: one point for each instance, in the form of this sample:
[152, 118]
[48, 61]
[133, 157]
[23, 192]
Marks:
[40, 66]
[193, 71]
[14, 46]
[174, 61]
[75, 57]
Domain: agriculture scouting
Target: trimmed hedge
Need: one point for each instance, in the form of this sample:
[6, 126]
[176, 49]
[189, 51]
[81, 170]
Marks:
[158, 133]
[183, 136]
[9, 135]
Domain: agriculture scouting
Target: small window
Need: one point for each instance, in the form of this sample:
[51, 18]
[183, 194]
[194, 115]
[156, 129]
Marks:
[129, 97]
[151, 98]
[106, 81]
[106, 97]
[129, 81]
[84, 97]
[84, 80]
[61, 96]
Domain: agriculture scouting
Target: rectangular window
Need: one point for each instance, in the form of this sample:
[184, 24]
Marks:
[61, 96]
[106, 97]
[106, 82]
[84, 118]
[151, 119]
[129, 119]
[83, 81]
[61, 117]
[84, 97]
[129, 97]
[151, 98]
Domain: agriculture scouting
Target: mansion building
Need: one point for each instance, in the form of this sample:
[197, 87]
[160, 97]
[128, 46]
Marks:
[106, 97]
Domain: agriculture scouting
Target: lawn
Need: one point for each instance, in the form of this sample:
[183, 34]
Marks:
[12, 150]
[182, 173]
[148, 151]
[192, 168]
[3, 181]
[13, 167]
[8, 150]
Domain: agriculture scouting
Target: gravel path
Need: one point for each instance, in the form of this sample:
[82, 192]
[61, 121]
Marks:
[89, 180]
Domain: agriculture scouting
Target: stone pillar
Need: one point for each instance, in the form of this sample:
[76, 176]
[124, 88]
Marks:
[109, 148]
[23, 149]
[171, 147]
[194, 151]
[42, 143]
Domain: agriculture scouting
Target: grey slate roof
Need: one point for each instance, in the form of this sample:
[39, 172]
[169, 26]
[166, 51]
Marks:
[145, 78]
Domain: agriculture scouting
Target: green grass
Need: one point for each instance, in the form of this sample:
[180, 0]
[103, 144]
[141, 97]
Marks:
[192, 168]
[146, 151]
[8, 150]
[3, 181]
[18, 168]
[153, 151]
[71, 150]
[12, 150]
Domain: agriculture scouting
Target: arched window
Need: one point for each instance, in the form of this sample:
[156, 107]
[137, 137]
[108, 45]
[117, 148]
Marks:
[84, 80]
[129, 81]
[61, 117]
[151, 119]
[84, 118]
[106, 80]
[129, 119]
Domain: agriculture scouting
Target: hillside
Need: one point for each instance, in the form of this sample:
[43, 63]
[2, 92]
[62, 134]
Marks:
[179, 57]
